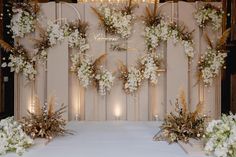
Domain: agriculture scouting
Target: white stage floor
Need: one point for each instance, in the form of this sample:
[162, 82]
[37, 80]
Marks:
[107, 139]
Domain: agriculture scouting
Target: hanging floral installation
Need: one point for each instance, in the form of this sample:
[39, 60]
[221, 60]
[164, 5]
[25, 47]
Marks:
[75, 31]
[92, 73]
[19, 61]
[131, 78]
[24, 17]
[149, 65]
[148, 68]
[182, 125]
[78, 35]
[104, 80]
[12, 137]
[116, 21]
[45, 121]
[220, 137]
[157, 31]
[56, 32]
[213, 60]
[209, 15]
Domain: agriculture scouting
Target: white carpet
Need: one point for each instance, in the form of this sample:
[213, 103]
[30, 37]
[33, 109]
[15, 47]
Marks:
[107, 139]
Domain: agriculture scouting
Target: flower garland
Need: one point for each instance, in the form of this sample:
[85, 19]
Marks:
[183, 125]
[157, 31]
[116, 21]
[209, 15]
[12, 137]
[89, 72]
[20, 62]
[150, 64]
[221, 137]
[23, 19]
[213, 60]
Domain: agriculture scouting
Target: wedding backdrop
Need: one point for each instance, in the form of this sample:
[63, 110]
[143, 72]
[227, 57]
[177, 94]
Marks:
[123, 76]
[178, 71]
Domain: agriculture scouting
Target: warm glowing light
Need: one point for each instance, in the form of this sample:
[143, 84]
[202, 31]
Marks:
[117, 112]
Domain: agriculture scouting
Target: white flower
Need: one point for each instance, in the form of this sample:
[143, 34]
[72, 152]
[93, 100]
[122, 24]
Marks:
[56, 32]
[150, 65]
[122, 23]
[156, 34]
[104, 80]
[134, 78]
[163, 31]
[22, 22]
[12, 137]
[221, 137]
[76, 40]
[82, 66]
[208, 14]
[210, 64]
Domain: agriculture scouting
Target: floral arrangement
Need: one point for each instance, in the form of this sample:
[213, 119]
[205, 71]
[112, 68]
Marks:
[12, 137]
[116, 21]
[78, 36]
[41, 47]
[213, 60]
[24, 16]
[91, 72]
[182, 125]
[221, 137]
[56, 32]
[75, 31]
[45, 122]
[104, 80]
[150, 64]
[157, 31]
[131, 78]
[179, 34]
[82, 65]
[19, 61]
[208, 14]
